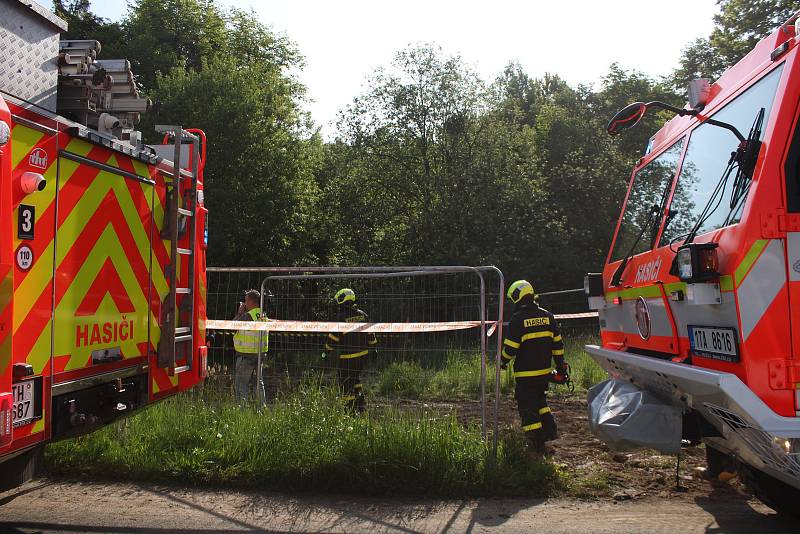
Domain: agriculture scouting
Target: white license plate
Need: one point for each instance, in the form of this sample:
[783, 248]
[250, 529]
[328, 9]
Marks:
[714, 342]
[23, 409]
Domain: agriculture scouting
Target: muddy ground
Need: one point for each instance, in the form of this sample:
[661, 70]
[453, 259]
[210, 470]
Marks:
[592, 470]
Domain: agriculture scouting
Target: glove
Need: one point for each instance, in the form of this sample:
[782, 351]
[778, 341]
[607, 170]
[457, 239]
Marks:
[563, 369]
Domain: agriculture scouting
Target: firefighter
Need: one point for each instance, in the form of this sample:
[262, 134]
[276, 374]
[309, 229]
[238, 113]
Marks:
[246, 343]
[351, 349]
[532, 341]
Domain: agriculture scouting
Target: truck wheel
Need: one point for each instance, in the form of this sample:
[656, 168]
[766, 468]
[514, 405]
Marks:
[775, 493]
[21, 468]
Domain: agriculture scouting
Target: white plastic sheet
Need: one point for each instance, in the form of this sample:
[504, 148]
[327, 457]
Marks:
[626, 418]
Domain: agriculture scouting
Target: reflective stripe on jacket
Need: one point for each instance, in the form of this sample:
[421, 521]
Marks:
[247, 341]
[533, 342]
[351, 345]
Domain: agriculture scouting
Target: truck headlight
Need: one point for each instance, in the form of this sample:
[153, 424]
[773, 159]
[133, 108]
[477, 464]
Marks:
[696, 262]
[684, 262]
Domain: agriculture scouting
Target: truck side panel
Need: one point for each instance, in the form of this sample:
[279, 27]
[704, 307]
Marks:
[34, 148]
[6, 271]
[102, 307]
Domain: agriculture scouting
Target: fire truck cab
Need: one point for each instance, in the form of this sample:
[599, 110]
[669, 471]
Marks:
[102, 243]
[699, 300]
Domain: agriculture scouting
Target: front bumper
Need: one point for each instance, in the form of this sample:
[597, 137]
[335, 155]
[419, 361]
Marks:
[751, 430]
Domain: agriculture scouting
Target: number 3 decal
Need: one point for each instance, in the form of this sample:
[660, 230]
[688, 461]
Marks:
[26, 221]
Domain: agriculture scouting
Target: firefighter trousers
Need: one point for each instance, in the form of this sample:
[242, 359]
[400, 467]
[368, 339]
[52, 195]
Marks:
[538, 422]
[350, 384]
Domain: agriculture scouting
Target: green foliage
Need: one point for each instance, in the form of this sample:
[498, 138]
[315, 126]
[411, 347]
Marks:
[260, 164]
[402, 380]
[227, 73]
[165, 34]
[431, 165]
[308, 441]
[584, 370]
[459, 377]
[83, 24]
[436, 167]
[738, 26]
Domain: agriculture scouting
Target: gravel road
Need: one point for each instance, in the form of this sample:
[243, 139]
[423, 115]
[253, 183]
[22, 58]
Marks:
[72, 506]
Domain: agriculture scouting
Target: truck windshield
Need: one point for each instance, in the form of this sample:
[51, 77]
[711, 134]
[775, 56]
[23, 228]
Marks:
[706, 159]
[650, 187]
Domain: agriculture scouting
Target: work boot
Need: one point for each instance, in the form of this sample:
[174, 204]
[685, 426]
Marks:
[549, 427]
[536, 449]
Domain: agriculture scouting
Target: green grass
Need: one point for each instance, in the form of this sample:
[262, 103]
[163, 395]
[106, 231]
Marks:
[305, 441]
[460, 376]
[585, 371]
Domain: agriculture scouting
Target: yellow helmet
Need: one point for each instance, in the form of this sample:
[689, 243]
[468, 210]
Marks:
[345, 295]
[519, 289]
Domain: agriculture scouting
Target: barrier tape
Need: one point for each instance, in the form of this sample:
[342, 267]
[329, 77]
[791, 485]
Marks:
[323, 327]
[582, 315]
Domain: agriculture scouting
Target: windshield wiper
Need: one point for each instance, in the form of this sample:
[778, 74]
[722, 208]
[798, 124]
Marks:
[747, 166]
[743, 159]
[617, 278]
[661, 206]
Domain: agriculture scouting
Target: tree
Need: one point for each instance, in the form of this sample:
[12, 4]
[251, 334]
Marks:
[164, 34]
[738, 26]
[227, 73]
[259, 177]
[83, 24]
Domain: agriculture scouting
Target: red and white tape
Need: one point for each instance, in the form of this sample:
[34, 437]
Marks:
[324, 327]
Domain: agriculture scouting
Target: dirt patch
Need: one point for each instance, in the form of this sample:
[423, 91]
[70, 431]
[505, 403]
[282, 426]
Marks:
[590, 468]
[596, 471]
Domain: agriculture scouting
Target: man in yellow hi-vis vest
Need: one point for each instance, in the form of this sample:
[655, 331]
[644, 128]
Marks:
[247, 343]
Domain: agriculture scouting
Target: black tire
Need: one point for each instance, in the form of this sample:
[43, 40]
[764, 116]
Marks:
[776, 494]
[21, 468]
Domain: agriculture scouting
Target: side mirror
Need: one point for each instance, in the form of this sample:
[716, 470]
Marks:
[626, 118]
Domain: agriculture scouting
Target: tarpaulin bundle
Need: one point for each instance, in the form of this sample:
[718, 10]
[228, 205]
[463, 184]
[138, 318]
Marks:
[626, 418]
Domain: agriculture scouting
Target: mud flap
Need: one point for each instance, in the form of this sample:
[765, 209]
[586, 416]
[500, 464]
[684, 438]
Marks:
[626, 418]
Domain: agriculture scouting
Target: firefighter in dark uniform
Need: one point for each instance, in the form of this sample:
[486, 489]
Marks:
[351, 349]
[533, 340]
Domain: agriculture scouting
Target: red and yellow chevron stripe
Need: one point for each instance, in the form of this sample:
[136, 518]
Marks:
[91, 300]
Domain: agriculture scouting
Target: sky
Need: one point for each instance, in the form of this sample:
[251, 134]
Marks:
[344, 41]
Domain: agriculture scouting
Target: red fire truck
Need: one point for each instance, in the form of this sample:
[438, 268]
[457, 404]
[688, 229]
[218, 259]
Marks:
[102, 243]
[699, 300]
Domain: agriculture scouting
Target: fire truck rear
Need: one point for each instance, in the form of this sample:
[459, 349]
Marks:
[102, 243]
[699, 300]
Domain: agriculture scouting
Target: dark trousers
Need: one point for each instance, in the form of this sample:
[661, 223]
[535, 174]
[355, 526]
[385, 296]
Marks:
[350, 383]
[538, 422]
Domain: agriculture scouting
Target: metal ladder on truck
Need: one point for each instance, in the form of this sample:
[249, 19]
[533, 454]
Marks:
[179, 339]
